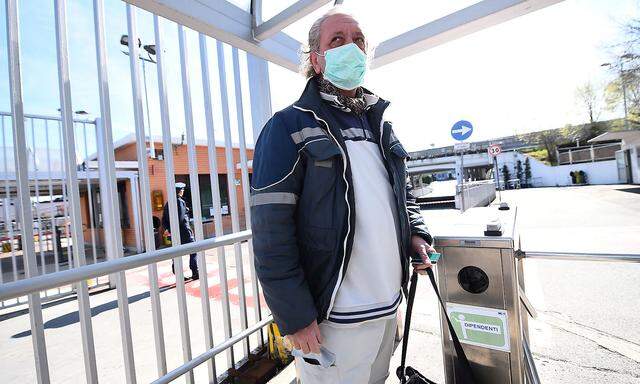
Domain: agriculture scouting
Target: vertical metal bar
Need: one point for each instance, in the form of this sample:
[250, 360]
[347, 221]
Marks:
[195, 196]
[89, 197]
[233, 199]
[37, 193]
[215, 191]
[54, 237]
[109, 194]
[171, 196]
[245, 180]
[145, 197]
[259, 93]
[22, 181]
[5, 202]
[260, 101]
[135, 208]
[65, 198]
[146, 101]
[84, 305]
[7, 191]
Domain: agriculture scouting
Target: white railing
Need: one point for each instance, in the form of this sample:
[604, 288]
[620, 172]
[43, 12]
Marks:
[49, 201]
[71, 174]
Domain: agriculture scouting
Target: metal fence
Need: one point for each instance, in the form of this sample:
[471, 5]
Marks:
[28, 206]
[49, 202]
[589, 154]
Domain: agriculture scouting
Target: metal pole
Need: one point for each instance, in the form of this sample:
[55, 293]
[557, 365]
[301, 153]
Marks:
[462, 183]
[43, 266]
[245, 181]
[135, 208]
[497, 172]
[608, 257]
[146, 100]
[65, 199]
[145, 198]
[54, 236]
[530, 364]
[22, 182]
[84, 305]
[14, 263]
[171, 196]
[215, 192]
[231, 186]
[89, 198]
[195, 196]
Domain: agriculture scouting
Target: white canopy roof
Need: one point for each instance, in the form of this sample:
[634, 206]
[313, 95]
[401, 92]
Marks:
[268, 28]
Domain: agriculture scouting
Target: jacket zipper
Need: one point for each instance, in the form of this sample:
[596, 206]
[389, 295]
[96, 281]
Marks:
[396, 191]
[346, 198]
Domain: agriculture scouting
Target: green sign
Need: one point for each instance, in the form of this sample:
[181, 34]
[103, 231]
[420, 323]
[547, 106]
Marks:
[484, 327]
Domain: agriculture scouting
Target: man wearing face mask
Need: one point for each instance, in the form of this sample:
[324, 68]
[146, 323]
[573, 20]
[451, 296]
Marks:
[333, 218]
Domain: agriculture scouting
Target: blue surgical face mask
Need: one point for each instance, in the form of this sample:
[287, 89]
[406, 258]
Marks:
[345, 66]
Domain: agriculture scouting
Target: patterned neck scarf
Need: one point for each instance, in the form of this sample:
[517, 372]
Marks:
[356, 104]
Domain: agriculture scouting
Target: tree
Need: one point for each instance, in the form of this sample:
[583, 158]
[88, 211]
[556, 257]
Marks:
[527, 172]
[625, 66]
[587, 96]
[549, 139]
[519, 170]
[505, 176]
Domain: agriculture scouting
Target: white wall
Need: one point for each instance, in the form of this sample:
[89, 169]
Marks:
[542, 175]
[635, 163]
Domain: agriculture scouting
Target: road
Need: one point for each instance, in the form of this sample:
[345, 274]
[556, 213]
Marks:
[588, 330]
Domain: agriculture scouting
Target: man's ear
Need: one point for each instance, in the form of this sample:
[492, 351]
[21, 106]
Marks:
[315, 62]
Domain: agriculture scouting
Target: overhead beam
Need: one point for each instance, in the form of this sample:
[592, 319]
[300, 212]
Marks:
[225, 22]
[293, 13]
[466, 21]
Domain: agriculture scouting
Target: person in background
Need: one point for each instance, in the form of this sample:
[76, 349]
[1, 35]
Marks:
[333, 219]
[186, 233]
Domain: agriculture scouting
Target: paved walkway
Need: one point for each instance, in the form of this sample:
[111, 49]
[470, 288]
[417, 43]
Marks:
[587, 330]
[63, 337]
[586, 333]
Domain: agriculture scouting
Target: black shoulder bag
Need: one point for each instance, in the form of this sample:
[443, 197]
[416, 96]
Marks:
[409, 375]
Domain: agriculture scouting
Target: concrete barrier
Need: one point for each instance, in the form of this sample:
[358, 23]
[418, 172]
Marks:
[476, 194]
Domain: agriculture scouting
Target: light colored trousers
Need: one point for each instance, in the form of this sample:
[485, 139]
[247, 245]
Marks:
[362, 354]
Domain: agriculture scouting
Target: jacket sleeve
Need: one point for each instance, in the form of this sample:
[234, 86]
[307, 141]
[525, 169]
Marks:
[416, 221]
[275, 187]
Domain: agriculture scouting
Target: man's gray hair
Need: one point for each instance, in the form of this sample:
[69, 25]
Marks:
[313, 44]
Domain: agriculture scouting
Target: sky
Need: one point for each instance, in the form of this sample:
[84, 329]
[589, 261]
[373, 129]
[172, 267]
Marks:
[516, 77]
[40, 76]
[512, 78]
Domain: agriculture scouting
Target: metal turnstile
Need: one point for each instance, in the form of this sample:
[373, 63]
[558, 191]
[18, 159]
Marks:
[478, 277]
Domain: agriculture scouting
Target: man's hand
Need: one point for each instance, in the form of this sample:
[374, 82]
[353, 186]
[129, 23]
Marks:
[422, 248]
[307, 339]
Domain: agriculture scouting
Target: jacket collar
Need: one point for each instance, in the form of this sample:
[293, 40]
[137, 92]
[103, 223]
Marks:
[312, 100]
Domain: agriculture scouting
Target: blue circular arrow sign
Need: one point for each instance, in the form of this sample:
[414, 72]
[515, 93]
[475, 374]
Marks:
[461, 130]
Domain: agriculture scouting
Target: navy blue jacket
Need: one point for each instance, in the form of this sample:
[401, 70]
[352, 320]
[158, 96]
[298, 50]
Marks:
[186, 233]
[302, 207]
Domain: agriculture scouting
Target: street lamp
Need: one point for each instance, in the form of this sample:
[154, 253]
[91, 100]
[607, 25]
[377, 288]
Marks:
[151, 52]
[627, 56]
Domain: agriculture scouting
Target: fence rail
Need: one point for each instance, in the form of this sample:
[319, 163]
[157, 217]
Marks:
[608, 257]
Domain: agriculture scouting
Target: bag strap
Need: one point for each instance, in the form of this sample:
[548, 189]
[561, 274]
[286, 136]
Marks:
[465, 373]
[407, 323]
